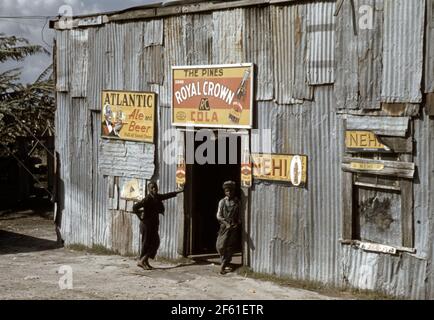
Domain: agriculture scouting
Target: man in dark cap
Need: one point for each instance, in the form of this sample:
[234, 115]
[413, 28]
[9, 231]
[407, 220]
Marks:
[148, 211]
[228, 215]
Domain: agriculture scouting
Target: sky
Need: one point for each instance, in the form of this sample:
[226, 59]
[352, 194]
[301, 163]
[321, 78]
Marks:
[37, 30]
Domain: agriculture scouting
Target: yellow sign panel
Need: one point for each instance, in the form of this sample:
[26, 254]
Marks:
[219, 96]
[363, 140]
[286, 168]
[128, 115]
[367, 166]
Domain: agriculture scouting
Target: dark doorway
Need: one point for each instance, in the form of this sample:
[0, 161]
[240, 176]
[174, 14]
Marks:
[205, 191]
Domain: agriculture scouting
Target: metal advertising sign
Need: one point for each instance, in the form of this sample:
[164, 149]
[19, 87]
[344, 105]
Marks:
[128, 115]
[285, 168]
[363, 141]
[216, 96]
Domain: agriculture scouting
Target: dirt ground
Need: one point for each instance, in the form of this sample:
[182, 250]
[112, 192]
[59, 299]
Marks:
[30, 260]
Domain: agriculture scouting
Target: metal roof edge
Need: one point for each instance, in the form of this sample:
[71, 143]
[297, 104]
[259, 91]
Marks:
[161, 9]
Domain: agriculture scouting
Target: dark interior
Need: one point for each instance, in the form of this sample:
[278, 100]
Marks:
[206, 191]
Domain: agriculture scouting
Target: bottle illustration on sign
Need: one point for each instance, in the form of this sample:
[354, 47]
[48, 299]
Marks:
[180, 172]
[237, 107]
[119, 118]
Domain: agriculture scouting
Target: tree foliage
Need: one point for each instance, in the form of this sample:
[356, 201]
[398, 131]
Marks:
[26, 110]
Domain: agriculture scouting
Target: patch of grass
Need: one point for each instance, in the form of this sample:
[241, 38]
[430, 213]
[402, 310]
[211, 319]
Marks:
[97, 250]
[321, 288]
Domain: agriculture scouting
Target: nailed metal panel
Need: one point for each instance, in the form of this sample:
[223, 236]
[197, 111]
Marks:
[290, 238]
[291, 228]
[121, 240]
[320, 43]
[380, 217]
[96, 67]
[100, 192]
[153, 59]
[370, 57]
[79, 63]
[153, 66]
[346, 49]
[198, 39]
[424, 187]
[429, 41]
[384, 273]
[258, 50]
[125, 158]
[114, 60]
[403, 50]
[284, 43]
[153, 33]
[174, 54]
[62, 60]
[359, 57]
[132, 45]
[77, 178]
[324, 139]
[228, 30]
[386, 126]
[62, 138]
[262, 138]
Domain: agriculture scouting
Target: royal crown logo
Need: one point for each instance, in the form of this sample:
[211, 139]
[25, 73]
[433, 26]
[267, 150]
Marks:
[204, 105]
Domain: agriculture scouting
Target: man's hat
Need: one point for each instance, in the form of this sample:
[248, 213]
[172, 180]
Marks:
[229, 184]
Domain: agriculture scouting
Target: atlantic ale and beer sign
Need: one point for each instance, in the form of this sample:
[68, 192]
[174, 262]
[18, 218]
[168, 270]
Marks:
[218, 96]
[128, 115]
[291, 169]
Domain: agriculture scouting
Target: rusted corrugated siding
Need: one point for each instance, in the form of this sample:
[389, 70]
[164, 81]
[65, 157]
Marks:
[370, 57]
[62, 61]
[96, 66]
[79, 62]
[403, 40]
[77, 178]
[198, 39]
[100, 232]
[429, 43]
[380, 216]
[126, 158]
[227, 37]
[401, 276]
[153, 54]
[320, 43]
[133, 72]
[302, 240]
[325, 140]
[62, 138]
[293, 232]
[174, 54]
[286, 50]
[359, 57]
[258, 48]
[169, 226]
[122, 232]
[423, 190]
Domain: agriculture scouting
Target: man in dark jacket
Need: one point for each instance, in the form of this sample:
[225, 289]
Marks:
[148, 211]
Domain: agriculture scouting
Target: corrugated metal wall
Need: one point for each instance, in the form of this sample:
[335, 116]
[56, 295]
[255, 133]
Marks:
[404, 27]
[309, 65]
